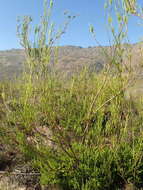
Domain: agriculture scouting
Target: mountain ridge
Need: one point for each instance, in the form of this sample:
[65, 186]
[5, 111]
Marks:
[70, 58]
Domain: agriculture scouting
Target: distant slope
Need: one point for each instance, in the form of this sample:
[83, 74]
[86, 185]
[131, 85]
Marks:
[11, 63]
[71, 59]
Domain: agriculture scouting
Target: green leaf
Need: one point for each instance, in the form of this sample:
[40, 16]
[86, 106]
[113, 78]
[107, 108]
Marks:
[109, 20]
[110, 1]
[119, 17]
[51, 3]
[91, 29]
[105, 6]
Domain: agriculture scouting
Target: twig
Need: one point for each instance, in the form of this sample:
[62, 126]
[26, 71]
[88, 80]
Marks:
[19, 173]
[117, 94]
[109, 100]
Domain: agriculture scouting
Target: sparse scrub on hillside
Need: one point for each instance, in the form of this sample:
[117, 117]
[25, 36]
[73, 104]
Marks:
[81, 133]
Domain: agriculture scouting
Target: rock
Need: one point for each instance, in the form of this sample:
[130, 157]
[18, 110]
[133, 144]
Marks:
[129, 186]
[7, 184]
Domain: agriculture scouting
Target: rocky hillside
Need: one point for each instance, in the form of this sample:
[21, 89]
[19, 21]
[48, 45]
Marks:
[11, 63]
[71, 59]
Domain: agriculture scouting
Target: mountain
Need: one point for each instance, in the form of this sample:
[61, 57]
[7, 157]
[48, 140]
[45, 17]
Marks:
[72, 59]
[11, 63]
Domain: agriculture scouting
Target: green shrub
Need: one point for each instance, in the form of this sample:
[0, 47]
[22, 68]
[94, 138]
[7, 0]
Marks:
[81, 133]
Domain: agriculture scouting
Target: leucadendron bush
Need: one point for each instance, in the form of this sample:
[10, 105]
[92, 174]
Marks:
[82, 133]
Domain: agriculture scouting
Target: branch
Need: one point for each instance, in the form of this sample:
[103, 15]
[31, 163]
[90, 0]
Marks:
[19, 173]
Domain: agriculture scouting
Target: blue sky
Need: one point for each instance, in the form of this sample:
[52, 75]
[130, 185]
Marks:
[89, 11]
